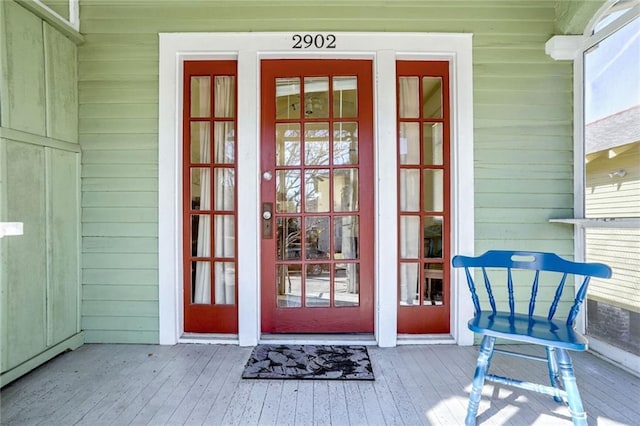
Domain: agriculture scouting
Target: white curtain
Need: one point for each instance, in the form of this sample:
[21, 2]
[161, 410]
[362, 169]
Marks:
[224, 137]
[224, 178]
[410, 235]
[202, 291]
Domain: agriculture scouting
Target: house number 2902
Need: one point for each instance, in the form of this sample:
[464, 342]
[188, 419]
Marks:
[319, 41]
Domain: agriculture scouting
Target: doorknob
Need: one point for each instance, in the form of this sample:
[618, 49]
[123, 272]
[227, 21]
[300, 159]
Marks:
[267, 220]
[267, 176]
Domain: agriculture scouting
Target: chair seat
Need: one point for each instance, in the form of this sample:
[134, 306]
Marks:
[535, 329]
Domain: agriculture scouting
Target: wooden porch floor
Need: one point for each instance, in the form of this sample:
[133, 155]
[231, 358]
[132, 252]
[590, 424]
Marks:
[201, 384]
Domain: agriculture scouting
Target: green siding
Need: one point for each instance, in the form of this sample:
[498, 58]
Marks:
[522, 106]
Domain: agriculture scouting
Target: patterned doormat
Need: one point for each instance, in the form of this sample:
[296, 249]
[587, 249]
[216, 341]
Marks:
[313, 362]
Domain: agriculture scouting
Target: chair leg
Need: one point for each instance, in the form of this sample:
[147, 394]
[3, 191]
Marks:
[571, 387]
[484, 360]
[552, 364]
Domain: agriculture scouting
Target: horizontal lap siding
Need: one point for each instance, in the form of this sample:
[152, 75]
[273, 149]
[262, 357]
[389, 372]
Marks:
[523, 119]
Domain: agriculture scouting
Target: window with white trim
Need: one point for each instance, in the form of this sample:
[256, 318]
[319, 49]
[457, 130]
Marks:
[611, 141]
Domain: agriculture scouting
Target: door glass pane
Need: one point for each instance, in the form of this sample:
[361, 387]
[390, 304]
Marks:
[433, 187]
[224, 142]
[225, 96]
[289, 238]
[289, 286]
[431, 97]
[200, 142]
[345, 97]
[346, 233]
[409, 190]
[409, 284]
[201, 96]
[345, 192]
[345, 143]
[408, 97]
[316, 188]
[201, 282]
[409, 237]
[200, 235]
[200, 188]
[288, 144]
[346, 289]
[433, 276]
[433, 237]
[409, 143]
[432, 144]
[288, 191]
[316, 97]
[225, 235]
[316, 144]
[224, 189]
[225, 283]
[288, 98]
[317, 286]
[317, 235]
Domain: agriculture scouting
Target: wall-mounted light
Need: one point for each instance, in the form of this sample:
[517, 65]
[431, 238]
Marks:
[618, 173]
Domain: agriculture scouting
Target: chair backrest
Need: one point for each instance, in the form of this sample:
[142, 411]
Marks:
[535, 261]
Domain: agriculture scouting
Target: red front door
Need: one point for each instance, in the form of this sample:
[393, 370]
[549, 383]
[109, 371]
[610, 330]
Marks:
[317, 194]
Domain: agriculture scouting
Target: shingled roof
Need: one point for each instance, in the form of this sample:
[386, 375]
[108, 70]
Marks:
[614, 130]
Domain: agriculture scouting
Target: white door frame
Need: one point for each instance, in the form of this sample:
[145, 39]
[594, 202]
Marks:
[249, 49]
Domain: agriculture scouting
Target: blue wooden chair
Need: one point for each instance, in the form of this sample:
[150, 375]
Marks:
[506, 320]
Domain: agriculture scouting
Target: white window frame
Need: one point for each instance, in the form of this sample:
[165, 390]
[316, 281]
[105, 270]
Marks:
[574, 48]
[249, 49]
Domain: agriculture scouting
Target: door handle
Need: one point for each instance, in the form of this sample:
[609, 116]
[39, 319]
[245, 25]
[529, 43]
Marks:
[267, 220]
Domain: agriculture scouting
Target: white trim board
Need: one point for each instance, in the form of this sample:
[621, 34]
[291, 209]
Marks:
[248, 49]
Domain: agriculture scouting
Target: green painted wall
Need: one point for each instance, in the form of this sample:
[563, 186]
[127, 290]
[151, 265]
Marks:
[39, 186]
[523, 127]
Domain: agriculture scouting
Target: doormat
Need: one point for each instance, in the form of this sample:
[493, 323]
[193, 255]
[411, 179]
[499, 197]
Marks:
[314, 362]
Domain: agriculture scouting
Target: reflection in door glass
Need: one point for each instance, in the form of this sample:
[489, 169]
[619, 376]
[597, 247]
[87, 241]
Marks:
[288, 191]
[288, 98]
[224, 142]
[316, 144]
[317, 235]
[345, 191]
[316, 97]
[288, 144]
[346, 290]
[345, 97]
[346, 232]
[345, 143]
[316, 189]
[318, 286]
[289, 238]
[289, 286]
